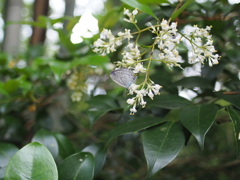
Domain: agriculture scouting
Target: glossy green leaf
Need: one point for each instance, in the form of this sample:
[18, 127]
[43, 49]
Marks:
[169, 101]
[176, 13]
[65, 147]
[133, 126]
[47, 139]
[194, 81]
[198, 120]
[6, 153]
[235, 117]
[232, 98]
[139, 6]
[161, 145]
[34, 162]
[152, 1]
[99, 153]
[78, 166]
[100, 105]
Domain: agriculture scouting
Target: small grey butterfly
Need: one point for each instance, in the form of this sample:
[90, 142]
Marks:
[123, 77]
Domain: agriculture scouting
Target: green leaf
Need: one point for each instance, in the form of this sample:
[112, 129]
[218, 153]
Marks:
[194, 81]
[99, 153]
[94, 60]
[198, 120]
[6, 153]
[11, 86]
[152, 1]
[34, 162]
[232, 98]
[133, 126]
[47, 139]
[110, 18]
[169, 101]
[176, 13]
[100, 105]
[25, 85]
[3, 91]
[64, 146]
[161, 145]
[58, 68]
[141, 7]
[78, 166]
[235, 117]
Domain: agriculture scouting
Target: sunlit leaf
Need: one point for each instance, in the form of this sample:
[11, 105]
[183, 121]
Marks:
[161, 145]
[133, 126]
[198, 120]
[33, 161]
[77, 166]
[235, 117]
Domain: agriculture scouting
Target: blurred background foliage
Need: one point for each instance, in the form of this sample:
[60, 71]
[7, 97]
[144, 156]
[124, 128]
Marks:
[51, 79]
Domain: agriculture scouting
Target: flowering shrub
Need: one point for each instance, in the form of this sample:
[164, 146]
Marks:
[166, 41]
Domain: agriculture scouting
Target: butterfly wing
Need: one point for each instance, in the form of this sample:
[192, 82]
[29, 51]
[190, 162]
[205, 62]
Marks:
[123, 77]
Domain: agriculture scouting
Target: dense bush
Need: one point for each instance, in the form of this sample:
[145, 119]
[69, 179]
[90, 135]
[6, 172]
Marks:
[53, 126]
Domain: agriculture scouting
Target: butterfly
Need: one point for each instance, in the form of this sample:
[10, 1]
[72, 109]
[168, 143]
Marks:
[123, 77]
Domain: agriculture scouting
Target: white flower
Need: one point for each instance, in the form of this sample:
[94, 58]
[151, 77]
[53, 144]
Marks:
[133, 110]
[126, 35]
[201, 52]
[131, 101]
[132, 89]
[139, 68]
[130, 56]
[76, 96]
[150, 94]
[164, 25]
[156, 88]
[130, 15]
[107, 42]
[135, 11]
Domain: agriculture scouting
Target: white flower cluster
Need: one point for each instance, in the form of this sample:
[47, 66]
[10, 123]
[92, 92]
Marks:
[76, 83]
[167, 39]
[130, 59]
[201, 52]
[76, 96]
[131, 15]
[151, 90]
[107, 42]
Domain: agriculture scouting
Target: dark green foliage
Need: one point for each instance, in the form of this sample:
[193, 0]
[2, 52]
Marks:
[96, 138]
